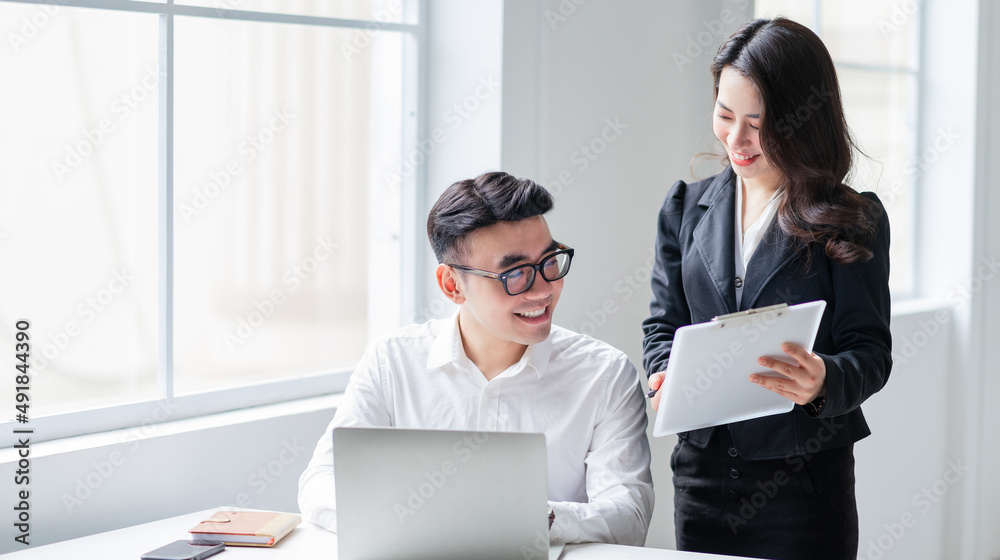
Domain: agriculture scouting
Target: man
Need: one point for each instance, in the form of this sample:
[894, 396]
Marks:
[500, 365]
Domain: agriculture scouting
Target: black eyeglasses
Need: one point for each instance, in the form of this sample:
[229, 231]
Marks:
[519, 279]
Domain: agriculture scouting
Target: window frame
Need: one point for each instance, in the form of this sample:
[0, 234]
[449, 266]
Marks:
[139, 415]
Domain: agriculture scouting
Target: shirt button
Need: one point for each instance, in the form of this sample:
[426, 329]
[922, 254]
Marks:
[734, 495]
[739, 282]
[734, 473]
[733, 452]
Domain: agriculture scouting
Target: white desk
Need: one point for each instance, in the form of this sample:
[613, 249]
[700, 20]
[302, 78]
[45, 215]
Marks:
[307, 541]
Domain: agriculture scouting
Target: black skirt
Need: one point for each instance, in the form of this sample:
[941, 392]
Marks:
[801, 506]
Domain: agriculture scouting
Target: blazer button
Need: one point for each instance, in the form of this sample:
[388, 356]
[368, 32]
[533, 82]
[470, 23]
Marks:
[733, 452]
[734, 473]
[734, 495]
[739, 282]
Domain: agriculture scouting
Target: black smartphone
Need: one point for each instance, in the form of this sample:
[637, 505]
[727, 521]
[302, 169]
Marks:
[183, 550]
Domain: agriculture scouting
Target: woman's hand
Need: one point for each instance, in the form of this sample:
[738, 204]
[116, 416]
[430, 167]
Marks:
[655, 381]
[801, 384]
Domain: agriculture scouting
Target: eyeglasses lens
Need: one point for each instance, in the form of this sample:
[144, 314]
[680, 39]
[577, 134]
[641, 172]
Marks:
[556, 266]
[553, 268]
[520, 279]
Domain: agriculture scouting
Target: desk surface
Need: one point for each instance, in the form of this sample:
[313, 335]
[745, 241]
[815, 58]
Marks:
[305, 542]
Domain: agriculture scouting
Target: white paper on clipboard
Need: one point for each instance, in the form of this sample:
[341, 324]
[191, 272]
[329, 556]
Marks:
[707, 379]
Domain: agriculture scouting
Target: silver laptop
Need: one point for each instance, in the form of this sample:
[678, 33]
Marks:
[440, 494]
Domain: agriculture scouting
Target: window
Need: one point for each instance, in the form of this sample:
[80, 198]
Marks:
[875, 46]
[203, 200]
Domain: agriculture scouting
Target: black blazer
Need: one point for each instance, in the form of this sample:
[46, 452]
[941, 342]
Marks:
[693, 281]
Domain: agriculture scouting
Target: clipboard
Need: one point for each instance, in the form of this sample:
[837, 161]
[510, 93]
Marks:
[707, 378]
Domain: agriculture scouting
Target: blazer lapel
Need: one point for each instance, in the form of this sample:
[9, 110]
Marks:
[771, 255]
[713, 236]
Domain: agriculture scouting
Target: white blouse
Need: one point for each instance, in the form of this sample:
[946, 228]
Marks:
[747, 243]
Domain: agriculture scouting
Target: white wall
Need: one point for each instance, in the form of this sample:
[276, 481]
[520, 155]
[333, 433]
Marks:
[907, 453]
[464, 90]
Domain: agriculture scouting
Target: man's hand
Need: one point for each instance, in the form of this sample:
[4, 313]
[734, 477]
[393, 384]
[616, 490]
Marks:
[801, 384]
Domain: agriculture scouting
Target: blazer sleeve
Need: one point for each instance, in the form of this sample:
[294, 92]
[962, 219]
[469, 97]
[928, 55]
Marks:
[860, 327]
[668, 308]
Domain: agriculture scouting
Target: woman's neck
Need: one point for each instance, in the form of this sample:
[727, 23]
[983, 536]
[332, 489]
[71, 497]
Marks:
[755, 197]
[759, 188]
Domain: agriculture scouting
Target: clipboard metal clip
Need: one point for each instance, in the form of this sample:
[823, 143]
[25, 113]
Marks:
[747, 312]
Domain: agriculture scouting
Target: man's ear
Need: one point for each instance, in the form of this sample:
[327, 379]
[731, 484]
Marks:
[447, 278]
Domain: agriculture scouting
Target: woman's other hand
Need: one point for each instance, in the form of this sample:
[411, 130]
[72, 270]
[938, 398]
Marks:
[801, 384]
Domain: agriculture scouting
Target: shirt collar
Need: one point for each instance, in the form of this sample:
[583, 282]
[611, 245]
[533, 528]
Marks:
[537, 356]
[447, 349]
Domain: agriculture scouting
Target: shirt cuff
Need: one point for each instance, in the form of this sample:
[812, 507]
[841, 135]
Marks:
[566, 526]
[326, 518]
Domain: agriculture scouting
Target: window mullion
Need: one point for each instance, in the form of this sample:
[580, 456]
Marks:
[165, 371]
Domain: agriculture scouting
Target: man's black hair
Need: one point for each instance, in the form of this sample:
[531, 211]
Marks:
[472, 204]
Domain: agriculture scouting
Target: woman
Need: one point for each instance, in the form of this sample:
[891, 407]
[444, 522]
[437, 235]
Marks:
[777, 226]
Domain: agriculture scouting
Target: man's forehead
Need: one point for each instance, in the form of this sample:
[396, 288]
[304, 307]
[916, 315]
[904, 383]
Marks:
[505, 244]
[512, 258]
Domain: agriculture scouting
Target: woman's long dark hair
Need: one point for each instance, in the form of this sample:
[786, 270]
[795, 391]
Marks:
[804, 135]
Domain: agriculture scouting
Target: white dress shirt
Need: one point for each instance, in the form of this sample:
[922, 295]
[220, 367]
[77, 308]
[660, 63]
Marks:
[583, 394]
[747, 242]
